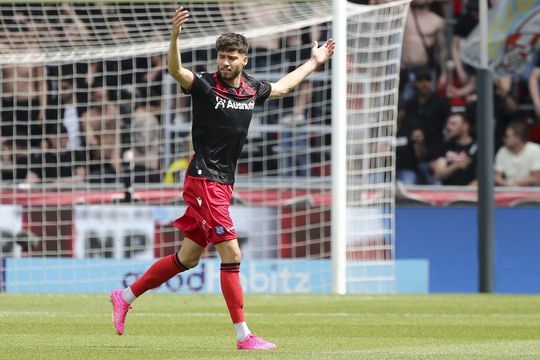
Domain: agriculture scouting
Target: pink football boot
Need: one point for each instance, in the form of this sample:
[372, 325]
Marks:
[253, 342]
[120, 309]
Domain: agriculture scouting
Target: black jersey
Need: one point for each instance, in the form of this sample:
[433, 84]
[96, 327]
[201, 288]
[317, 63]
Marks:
[221, 118]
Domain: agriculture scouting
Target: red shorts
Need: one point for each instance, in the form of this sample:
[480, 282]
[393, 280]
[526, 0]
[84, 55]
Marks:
[207, 217]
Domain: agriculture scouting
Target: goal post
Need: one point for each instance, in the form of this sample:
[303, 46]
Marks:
[96, 138]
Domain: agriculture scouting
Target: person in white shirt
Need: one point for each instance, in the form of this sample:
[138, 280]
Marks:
[517, 163]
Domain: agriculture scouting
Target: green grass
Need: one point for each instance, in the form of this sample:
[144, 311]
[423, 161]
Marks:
[304, 327]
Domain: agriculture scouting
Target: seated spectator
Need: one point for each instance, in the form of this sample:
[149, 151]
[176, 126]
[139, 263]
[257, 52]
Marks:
[428, 111]
[409, 148]
[534, 86]
[517, 163]
[504, 108]
[14, 162]
[104, 164]
[145, 145]
[457, 165]
[57, 163]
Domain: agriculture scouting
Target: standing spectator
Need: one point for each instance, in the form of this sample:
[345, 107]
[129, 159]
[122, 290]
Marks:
[145, 145]
[64, 109]
[457, 165]
[517, 163]
[462, 84]
[428, 111]
[423, 45]
[101, 123]
[534, 86]
[24, 87]
[465, 23]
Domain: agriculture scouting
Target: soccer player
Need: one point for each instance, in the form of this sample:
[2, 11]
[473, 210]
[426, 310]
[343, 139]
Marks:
[223, 104]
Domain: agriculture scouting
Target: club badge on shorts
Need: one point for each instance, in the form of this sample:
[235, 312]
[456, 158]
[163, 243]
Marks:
[220, 230]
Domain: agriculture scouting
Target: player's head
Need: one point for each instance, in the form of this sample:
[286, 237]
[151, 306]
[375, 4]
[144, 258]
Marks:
[232, 52]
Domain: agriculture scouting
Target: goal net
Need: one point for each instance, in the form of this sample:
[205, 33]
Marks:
[95, 141]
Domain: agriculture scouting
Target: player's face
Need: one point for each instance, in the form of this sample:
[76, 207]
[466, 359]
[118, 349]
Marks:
[230, 64]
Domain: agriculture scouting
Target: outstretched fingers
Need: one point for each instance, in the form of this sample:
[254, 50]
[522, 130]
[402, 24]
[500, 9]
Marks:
[330, 46]
[180, 17]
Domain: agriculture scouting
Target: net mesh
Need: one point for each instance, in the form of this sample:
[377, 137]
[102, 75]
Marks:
[96, 139]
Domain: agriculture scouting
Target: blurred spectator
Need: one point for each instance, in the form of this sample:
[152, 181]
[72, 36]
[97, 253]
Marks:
[58, 163]
[429, 112]
[504, 105]
[15, 162]
[465, 23]
[71, 26]
[176, 170]
[462, 83]
[534, 86]
[423, 45]
[409, 148]
[457, 165]
[294, 141]
[517, 163]
[104, 165]
[145, 146]
[101, 123]
[24, 87]
[150, 84]
[63, 108]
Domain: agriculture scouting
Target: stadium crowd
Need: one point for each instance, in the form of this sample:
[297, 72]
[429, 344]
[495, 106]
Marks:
[100, 121]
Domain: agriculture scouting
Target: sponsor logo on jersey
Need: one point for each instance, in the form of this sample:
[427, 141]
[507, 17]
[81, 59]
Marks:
[229, 104]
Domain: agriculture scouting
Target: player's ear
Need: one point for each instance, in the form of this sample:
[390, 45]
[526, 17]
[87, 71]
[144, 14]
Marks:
[244, 60]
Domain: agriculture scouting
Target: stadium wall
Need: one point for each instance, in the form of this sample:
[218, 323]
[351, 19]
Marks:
[447, 238]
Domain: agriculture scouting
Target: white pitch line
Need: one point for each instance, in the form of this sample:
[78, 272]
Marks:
[134, 313]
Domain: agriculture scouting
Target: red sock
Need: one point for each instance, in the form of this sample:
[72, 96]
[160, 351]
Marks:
[161, 271]
[232, 290]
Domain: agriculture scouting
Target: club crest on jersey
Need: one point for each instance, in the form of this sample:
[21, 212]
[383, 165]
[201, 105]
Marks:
[229, 104]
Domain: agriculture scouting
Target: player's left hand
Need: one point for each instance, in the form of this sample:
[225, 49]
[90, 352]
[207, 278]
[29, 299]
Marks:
[322, 53]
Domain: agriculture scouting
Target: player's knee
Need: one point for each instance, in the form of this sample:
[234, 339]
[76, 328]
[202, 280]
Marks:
[188, 263]
[236, 256]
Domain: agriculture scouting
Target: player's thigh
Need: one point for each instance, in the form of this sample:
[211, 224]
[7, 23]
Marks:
[229, 251]
[190, 253]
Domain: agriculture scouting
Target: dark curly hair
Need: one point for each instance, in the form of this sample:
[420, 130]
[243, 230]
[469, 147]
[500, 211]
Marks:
[231, 42]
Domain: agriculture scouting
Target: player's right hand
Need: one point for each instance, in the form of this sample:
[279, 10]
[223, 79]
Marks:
[180, 17]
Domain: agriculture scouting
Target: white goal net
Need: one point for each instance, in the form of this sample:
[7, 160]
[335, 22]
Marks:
[95, 139]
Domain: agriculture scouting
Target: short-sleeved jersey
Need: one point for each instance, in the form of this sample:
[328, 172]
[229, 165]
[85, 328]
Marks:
[454, 151]
[221, 118]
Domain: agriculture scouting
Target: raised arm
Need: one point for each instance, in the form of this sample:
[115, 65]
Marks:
[182, 75]
[319, 55]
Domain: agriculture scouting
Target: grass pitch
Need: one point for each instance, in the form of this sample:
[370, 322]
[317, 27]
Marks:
[310, 327]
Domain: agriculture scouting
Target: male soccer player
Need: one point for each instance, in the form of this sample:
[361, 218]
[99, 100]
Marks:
[223, 104]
